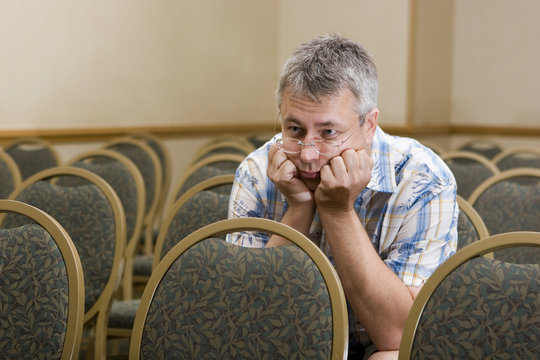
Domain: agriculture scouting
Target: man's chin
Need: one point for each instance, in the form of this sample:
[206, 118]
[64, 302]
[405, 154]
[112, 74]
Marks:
[311, 183]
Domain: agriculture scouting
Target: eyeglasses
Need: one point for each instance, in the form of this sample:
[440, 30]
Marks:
[322, 147]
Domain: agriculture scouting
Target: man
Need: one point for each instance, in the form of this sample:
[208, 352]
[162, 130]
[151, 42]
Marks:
[383, 207]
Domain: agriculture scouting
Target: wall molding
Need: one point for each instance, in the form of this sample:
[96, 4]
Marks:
[75, 135]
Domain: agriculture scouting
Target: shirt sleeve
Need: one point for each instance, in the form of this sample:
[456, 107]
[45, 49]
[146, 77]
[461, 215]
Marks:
[248, 198]
[427, 234]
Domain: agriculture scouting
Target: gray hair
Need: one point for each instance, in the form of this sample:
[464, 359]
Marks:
[325, 66]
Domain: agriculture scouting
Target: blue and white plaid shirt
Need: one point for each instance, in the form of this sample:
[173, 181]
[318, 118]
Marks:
[408, 209]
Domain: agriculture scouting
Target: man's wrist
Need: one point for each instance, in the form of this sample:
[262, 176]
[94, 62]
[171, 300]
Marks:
[336, 212]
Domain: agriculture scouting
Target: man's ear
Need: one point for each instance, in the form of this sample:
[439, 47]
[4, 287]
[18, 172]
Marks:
[370, 122]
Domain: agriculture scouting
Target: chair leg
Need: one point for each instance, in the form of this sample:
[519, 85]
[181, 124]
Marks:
[100, 339]
[127, 282]
[149, 239]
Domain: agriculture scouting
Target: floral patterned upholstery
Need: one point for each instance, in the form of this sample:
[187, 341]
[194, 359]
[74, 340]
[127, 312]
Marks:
[6, 179]
[122, 313]
[519, 160]
[219, 300]
[485, 309]
[223, 150]
[142, 265]
[485, 149]
[31, 161]
[33, 294]
[467, 232]
[160, 152]
[87, 216]
[119, 177]
[203, 208]
[144, 163]
[207, 172]
[512, 205]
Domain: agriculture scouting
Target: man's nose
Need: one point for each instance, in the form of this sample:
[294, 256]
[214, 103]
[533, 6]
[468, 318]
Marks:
[309, 153]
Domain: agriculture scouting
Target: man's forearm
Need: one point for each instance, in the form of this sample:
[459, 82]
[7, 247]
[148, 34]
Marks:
[299, 218]
[380, 300]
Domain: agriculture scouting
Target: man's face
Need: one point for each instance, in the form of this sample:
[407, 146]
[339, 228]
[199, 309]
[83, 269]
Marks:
[332, 119]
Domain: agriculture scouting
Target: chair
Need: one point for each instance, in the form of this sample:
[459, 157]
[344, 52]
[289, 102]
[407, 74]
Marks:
[226, 144]
[518, 157]
[211, 299]
[148, 164]
[41, 287]
[485, 147]
[469, 169]
[32, 155]
[94, 219]
[474, 307]
[471, 227]
[199, 206]
[164, 156]
[196, 208]
[127, 182]
[259, 140]
[206, 168]
[10, 175]
[229, 147]
[510, 201]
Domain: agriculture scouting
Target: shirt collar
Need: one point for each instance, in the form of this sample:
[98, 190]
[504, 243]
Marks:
[383, 178]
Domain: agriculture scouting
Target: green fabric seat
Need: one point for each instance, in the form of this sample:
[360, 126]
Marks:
[41, 287]
[475, 307]
[510, 201]
[209, 299]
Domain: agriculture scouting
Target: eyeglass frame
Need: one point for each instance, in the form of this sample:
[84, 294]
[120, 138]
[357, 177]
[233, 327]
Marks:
[313, 144]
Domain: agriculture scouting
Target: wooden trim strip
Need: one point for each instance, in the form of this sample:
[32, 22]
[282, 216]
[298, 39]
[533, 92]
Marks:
[163, 131]
[495, 130]
[186, 131]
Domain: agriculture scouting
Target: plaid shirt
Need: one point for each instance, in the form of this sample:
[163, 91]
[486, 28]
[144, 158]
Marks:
[408, 209]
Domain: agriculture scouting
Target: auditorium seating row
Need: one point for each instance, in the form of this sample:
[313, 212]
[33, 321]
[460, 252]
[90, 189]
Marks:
[110, 203]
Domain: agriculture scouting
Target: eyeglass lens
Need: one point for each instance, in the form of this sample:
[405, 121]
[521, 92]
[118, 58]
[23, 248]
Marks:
[323, 147]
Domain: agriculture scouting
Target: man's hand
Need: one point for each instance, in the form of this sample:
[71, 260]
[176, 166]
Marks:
[343, 179]
[284, 174]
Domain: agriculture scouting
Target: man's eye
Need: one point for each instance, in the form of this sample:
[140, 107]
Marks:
[293, 130]
[328, 133]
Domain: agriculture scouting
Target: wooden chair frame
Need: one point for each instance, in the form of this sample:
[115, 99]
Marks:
[194, 167]
[12, 166]
[134, 240]
[173, 210]
[232, 141]
[33, 141]
[516, 151]
[469, 155]
[501, 176]
[150, 216]
[166, 168]
[100, 309]
[480, 141]
[335, 290]
[74, 271]
[478, 248]
[156, 258]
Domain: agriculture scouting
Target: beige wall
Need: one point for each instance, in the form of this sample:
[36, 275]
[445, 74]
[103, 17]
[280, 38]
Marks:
[80, 64]
[380, 26]
[430, 84]
[136, 62]
[495, 64]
